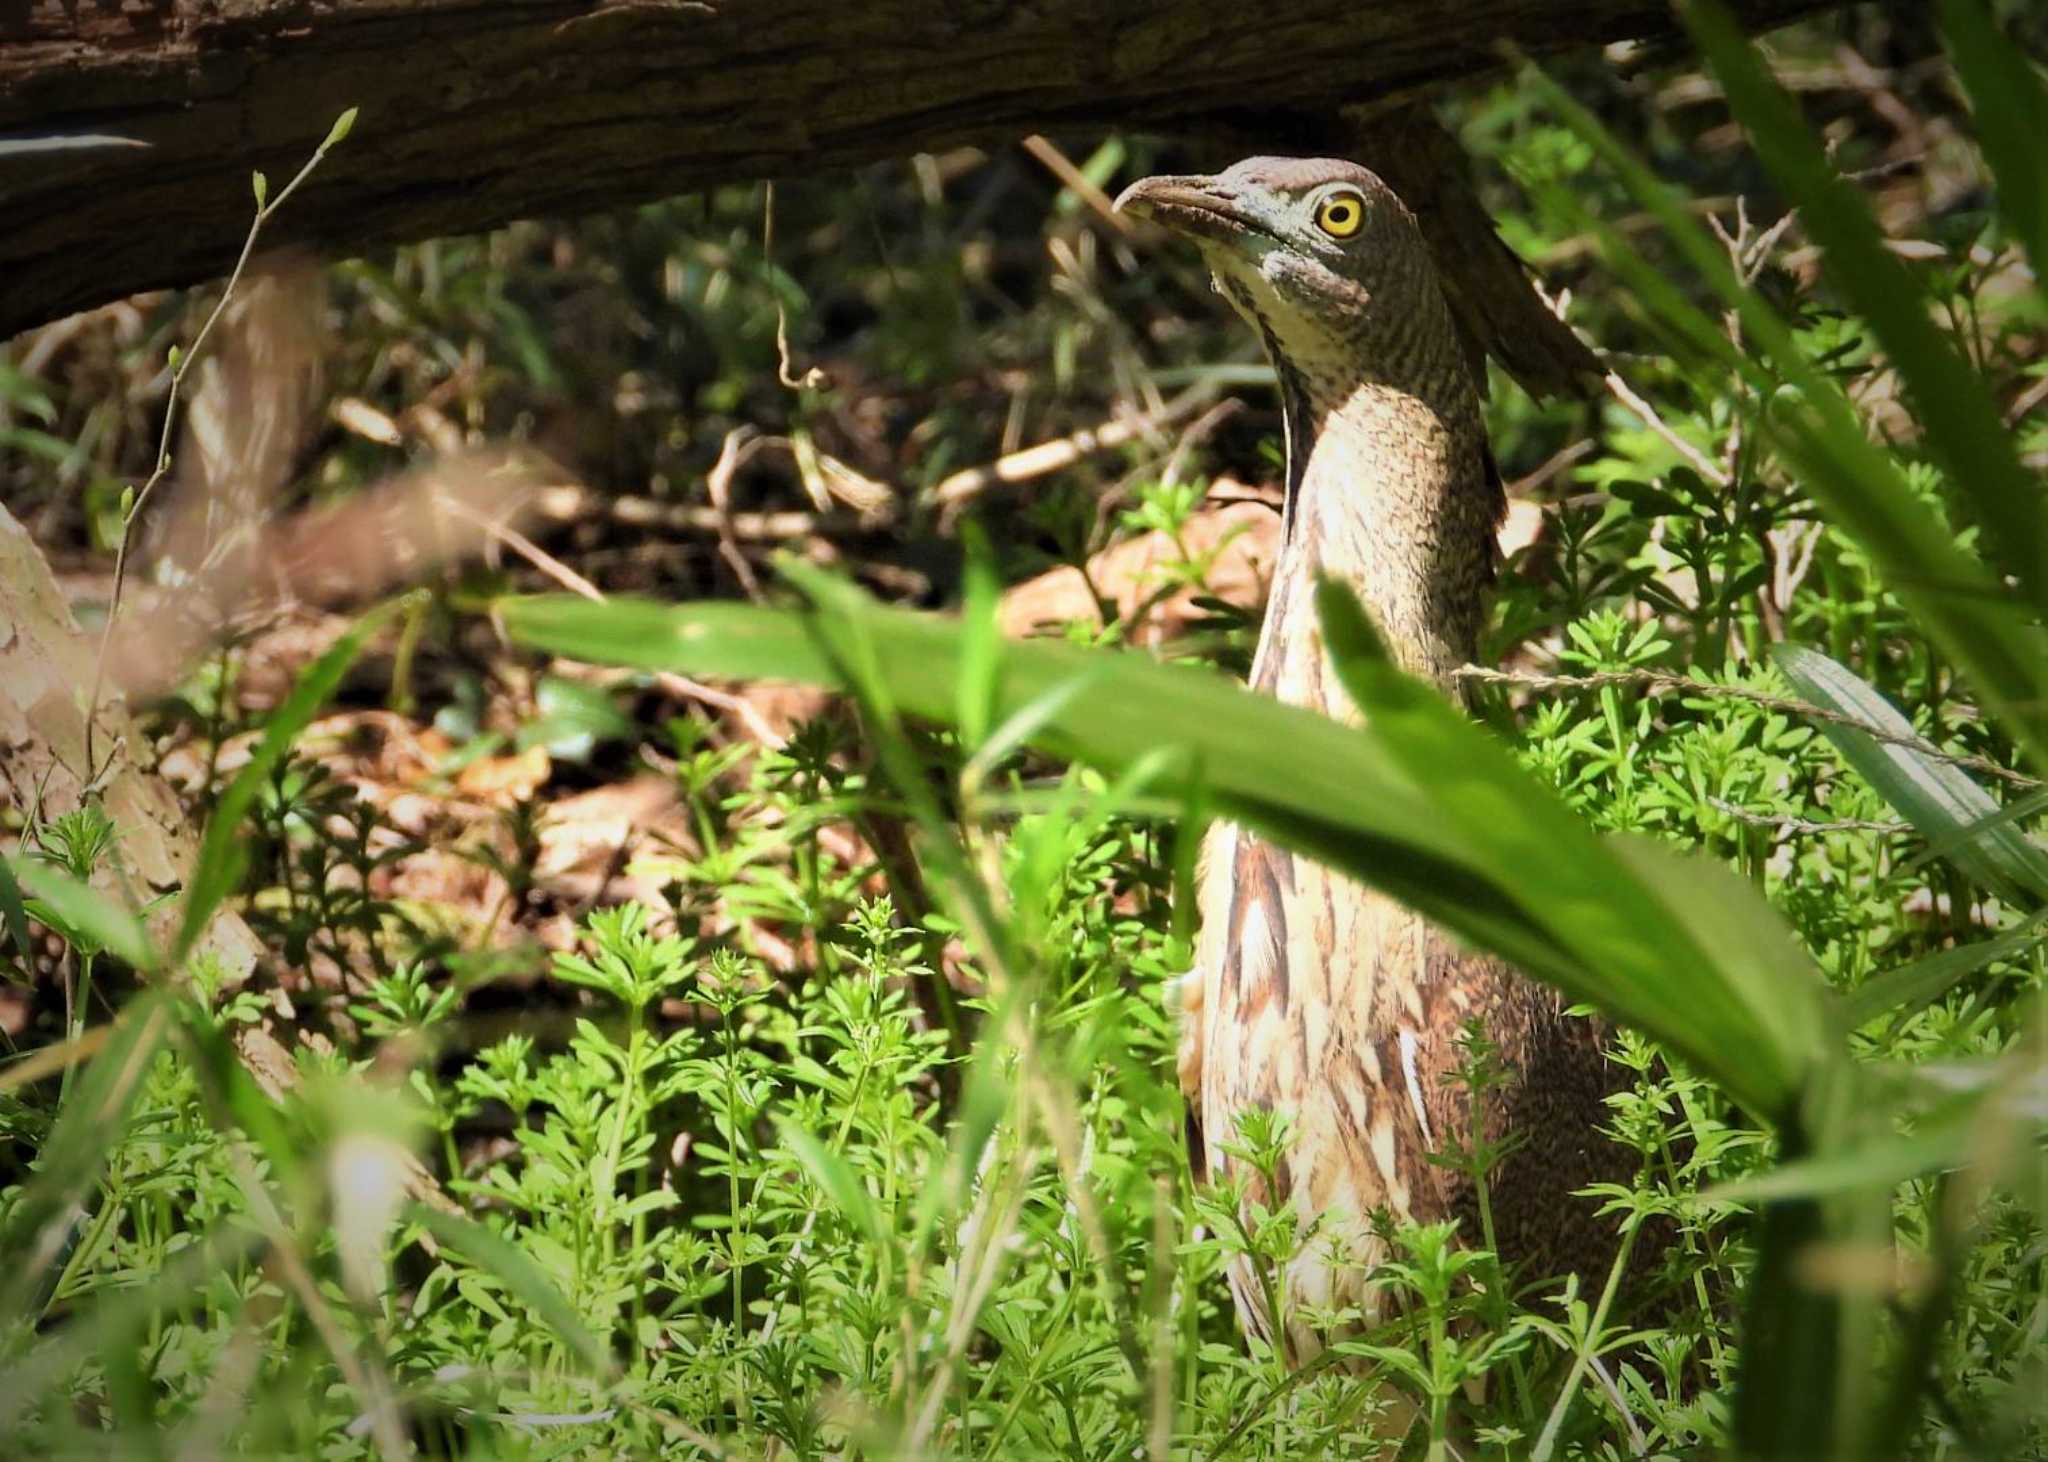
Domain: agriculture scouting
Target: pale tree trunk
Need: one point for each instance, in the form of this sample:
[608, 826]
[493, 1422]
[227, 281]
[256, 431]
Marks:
[46, 670]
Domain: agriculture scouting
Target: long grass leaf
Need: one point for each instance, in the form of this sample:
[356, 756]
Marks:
[1697, 959]
[87, 915]
[1342, 795]
[1820, 434]
[1936, 796]
[1961, 421]
[46, 1219]
[219, 865]
[1909, 987]
[15, 914]
[836, 1177]
[509, 1264]
[2007, 103]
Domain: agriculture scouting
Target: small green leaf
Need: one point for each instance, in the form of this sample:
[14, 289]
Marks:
[838, 1180]
[85, 915]
[261, 186]
[574, 717]
[1936, 796]
[222, 856]
[338, 133]
[506, 1262]
[15, 913]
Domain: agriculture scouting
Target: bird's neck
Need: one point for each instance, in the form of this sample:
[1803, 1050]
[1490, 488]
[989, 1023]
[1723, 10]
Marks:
[1390, 491]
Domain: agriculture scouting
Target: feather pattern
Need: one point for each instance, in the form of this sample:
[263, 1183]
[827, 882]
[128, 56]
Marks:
[1311, 994]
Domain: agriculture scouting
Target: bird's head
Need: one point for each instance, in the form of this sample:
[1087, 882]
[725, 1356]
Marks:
[1319, 255]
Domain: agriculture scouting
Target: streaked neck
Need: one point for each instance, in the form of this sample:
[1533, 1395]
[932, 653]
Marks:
[1393, 495]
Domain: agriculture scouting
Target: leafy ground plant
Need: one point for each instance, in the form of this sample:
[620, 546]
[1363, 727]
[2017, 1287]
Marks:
[852, 1129]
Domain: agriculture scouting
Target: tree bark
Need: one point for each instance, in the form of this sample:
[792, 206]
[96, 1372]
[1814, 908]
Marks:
[475, 112]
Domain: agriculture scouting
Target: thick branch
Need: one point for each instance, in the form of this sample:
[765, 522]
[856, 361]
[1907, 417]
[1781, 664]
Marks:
[475, 112]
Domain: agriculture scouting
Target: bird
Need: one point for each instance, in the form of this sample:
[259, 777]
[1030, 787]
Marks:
[1312, 995]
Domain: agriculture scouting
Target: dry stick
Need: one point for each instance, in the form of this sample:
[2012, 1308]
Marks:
[1566, 456]
[1647, 414]
[813, 378]
[264, 208]
[964, 486]
[526, 548]
[679, 686]
[1197, 432]
[1077, 182]
[568, 503]
[1785, 823]
[2026, 401]
[740, 444]
[1660, 681]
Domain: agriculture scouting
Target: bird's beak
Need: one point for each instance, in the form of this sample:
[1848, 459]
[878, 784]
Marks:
[1205, 208]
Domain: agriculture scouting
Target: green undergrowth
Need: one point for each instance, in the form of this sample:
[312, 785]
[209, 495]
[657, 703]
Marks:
[863, 1136]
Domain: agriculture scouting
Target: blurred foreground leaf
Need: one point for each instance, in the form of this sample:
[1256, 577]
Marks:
[1421, 804]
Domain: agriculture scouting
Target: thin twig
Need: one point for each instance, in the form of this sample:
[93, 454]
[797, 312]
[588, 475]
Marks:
[964, 486]
[527, 549]
[2026, 401]
[1569, 455]
[1804, 826]
[1077, 183]
[740, 444]
[264, 208]
[568, 503]
[1660, 681]
[813, 378]
[1621, 391]
[1195, 434]
[679, 686]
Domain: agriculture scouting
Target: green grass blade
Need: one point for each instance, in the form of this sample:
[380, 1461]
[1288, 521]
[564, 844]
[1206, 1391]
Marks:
[836, 1178]
[2007, 102]
[1809, 1378]
[1910, 987]
[1818, 431]
[88, 917]
[1697, 960]
[1936, 796]
[232, 1096]
[1352, 798]
[15, 914]
[1961, 421]
[218, 868]
[2012, 814]
[46, 1218]
[508, 1263]
[1878, 1165]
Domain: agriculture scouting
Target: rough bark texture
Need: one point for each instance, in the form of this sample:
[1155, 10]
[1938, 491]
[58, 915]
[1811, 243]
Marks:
[474, 112]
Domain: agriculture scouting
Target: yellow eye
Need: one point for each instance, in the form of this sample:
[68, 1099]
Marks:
[1340, 215]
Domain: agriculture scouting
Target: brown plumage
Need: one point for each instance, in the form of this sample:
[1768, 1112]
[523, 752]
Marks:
[1311, 994]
